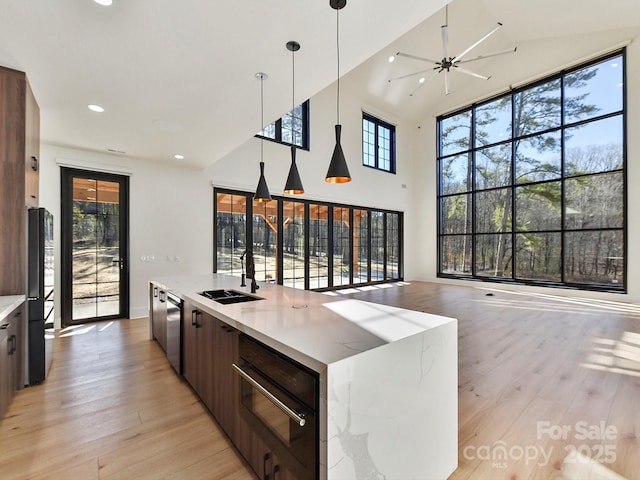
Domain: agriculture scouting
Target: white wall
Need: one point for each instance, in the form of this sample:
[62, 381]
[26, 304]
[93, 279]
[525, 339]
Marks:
[369, 187]
[170, 217]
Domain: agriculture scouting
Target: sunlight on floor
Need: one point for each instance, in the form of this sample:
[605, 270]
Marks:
[76, 330]
[616, 356]
[365, 288]
[578, 304]
[577, 466]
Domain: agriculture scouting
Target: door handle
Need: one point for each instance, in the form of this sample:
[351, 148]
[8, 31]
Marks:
[265, 459]
[155, 292]
[298, 418]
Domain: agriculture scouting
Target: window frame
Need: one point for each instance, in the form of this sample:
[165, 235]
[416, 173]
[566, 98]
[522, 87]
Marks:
[278, 129]
[564, 231]
[378, 123]
[387, 255]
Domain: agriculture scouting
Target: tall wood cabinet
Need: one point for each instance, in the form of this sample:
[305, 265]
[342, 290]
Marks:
[19, 174]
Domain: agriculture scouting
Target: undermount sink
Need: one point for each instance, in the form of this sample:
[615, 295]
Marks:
[227, 297]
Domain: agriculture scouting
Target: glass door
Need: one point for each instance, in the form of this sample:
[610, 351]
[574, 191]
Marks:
[94, 246]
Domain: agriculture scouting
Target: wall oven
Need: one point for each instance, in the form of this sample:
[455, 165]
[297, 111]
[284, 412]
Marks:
[279, 401]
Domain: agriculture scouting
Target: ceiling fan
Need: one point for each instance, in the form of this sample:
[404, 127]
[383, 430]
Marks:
[448, 63]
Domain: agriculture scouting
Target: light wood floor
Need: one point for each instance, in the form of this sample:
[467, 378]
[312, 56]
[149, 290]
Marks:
[112, 406]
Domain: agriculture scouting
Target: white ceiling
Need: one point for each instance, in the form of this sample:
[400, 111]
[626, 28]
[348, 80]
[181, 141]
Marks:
[178, 76]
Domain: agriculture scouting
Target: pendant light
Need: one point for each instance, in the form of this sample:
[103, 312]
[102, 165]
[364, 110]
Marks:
[294, 183]
[262, 192]
[338, 170]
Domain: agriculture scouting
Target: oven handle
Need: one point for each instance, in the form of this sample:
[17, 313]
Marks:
[300, 420]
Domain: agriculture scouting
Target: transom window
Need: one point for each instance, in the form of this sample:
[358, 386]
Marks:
[378, 144]
[532, 184]
[292, 129]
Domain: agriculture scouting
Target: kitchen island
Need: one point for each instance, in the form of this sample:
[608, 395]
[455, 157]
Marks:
[387, 377]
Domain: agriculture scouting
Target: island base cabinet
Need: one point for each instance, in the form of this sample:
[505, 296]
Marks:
[259, 456]
[226, 391]
[197, 352]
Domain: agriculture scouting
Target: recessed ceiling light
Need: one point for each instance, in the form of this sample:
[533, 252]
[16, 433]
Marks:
[95, 108]
[422, 79]
[392, 58]
[177, 156]
[106, 3]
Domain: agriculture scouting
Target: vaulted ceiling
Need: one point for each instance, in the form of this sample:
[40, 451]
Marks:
[178, 76]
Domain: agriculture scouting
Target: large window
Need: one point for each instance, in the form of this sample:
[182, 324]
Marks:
[306, 244]
[292, 129]
[532, 183]
[378, 144]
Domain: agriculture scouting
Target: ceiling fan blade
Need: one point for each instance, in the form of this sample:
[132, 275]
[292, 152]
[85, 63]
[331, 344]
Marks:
[446, 82]
[410, 74]
[426, 80]
[459, 56]
[470, 73]
[444, 30]
[400, 54]
[481, 57]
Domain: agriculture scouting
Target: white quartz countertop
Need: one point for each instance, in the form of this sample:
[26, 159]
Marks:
[8, 304]
[313, 328]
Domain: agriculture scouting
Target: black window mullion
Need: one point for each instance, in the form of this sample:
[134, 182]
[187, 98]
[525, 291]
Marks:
[563, 197]
[351, 244]
[513, 187]
[280, 245]
[385, 254]
[330, 242]
[306, 246]
[369, 245]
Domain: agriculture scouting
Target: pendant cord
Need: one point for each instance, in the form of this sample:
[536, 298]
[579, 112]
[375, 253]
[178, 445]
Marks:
[293, 95]
[446, 15]
[262, 117]
[338, 51]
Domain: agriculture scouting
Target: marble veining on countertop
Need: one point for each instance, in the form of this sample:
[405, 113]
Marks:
[315, 329]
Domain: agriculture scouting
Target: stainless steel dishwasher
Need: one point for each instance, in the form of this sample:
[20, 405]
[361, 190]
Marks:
[174, 331]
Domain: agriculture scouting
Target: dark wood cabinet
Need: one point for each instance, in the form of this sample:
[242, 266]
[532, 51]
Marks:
[225, 353]
[10, 353]
[197, 352]
[19, 141]
[258, 455]
[209, 348]
[158, 302]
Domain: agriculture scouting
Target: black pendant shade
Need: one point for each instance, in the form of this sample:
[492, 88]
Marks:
[338, 170]
[262, 192]
[294, 183]
[293, 186]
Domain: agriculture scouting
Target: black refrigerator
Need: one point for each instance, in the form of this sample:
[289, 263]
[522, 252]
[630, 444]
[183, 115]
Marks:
[40, 277]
